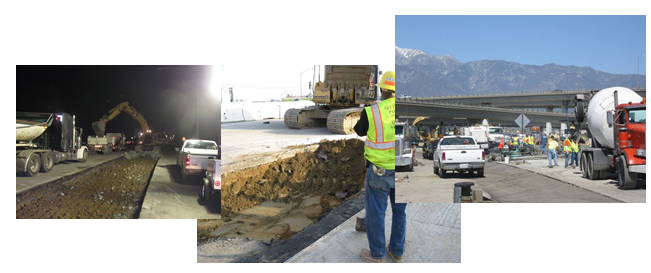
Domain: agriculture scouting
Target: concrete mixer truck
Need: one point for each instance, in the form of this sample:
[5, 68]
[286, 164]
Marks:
[616, 120]
[45, 139]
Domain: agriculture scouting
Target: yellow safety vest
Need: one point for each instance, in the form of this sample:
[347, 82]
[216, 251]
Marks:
[575, 147]
[380, 142]
[553, 144]
[566, 144]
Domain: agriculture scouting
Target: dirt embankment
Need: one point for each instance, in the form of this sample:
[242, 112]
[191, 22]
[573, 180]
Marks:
[108, 192]
[335, 168]
[279, 199]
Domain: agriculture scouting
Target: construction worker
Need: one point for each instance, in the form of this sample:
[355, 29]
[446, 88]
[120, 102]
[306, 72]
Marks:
[543, 143]
[377, 123]
[572, 129]
[574, 149]
[551, 151]
[567, 144]
[516, 140]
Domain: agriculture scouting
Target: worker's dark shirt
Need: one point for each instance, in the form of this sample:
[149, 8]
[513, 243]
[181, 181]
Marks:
[361, 128]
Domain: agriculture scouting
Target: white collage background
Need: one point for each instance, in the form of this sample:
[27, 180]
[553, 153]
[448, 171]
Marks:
[495, 237]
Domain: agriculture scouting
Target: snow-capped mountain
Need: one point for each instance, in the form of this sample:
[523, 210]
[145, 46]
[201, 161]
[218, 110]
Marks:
[421, 74]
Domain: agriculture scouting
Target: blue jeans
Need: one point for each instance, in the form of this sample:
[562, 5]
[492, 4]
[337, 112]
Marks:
[575, 159]
[378, 189]
[552, 154]
[568, 155]
[543, 150]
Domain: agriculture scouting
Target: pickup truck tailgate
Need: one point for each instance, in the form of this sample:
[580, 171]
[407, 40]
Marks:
[462, 153]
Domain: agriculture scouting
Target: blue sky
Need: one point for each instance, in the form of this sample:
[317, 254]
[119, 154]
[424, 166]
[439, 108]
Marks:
[608, 43]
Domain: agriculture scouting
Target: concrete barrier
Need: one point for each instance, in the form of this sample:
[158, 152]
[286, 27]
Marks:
[249, 111]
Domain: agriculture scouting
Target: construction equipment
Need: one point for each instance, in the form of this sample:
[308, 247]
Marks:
[338, 98]
[618, 134]
[45, 139]
[106, 144]
[146, 142]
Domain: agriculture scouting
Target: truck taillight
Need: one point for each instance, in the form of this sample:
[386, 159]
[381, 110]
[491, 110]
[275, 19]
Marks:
[443, 156]
[217, 183]
[187, 160]
[483, 155]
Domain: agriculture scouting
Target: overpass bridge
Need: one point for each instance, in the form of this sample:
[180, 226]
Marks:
[458, 114]
[559, 101]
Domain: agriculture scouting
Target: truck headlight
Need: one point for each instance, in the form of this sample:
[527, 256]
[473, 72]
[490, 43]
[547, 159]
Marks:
[640, 152]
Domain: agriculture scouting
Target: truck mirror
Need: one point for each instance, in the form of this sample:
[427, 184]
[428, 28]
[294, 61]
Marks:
[609, 118]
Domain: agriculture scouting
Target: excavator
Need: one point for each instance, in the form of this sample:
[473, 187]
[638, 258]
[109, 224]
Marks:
[146, 143]
[338, 98]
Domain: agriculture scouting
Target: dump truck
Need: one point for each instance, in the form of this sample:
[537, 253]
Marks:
[106, 144]
[616, 120]
[338, 99]
[45, 139]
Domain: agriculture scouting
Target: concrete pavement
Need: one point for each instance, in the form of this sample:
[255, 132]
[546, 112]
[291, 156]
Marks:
[433, 236]
[422, 186]
[606, 187]
[251, 143]
[168, 197]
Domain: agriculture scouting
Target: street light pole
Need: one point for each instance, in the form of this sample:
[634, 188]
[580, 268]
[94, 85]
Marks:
[638, 70]
[195, 76]
[301, 97]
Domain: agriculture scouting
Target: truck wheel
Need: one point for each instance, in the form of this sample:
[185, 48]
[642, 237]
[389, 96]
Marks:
[205, 190]
[579, 111]
[33, 165]
[47, 162]
[84, 156]
[442, 172]
[592, 175]
[625, 179]
[436, 170]
[184, 175]
[582, 164]
[480, 173]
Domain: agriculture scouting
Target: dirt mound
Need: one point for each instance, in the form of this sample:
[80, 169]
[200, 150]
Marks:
[108, 192]
[336, 168]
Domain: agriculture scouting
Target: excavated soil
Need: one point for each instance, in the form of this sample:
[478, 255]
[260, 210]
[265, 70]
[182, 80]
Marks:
[114, 191]
[277, 200]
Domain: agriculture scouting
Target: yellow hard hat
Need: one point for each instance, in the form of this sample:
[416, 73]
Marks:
[388, 81]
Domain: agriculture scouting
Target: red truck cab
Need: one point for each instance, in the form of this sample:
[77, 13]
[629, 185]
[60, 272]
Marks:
[630, 120]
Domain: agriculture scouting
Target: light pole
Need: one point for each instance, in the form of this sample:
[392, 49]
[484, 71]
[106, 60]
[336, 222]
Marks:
[197, 78]
[638, 70]
[306, 70]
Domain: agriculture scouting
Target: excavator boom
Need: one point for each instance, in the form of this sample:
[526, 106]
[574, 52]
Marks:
[100, 126]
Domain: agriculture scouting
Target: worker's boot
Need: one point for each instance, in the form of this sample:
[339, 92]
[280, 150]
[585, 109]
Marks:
[396, 259]
[366, 256]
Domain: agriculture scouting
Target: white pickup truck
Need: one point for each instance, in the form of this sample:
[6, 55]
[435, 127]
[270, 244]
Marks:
[212, 183]
[458, 153]
[193, 156]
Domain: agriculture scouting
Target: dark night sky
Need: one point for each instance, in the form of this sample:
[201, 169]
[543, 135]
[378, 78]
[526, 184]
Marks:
[166, 98]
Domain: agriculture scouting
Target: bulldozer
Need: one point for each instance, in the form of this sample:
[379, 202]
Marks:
[146, 142]
[338, 99]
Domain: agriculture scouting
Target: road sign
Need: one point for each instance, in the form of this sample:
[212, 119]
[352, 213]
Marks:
[522, 120]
